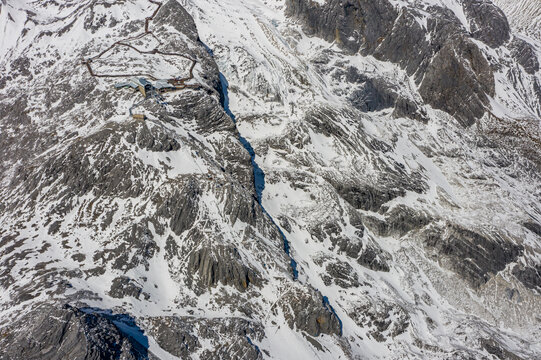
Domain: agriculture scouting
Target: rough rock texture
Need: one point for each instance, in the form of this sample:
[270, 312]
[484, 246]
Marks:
[231, 338]
[383, 320]
[70, 333]
[529, 276]
[533, 227]
[524, 53]
[497, 351]
[451, 69]
[474, 256]
[310, 313]
[122, 287]
[368, 197]
[340, 21]
[398, 222]
[487, 22]
[458, 81]
[219, 265]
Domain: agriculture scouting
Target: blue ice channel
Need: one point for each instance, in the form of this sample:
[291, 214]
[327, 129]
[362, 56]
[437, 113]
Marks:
[259, 175]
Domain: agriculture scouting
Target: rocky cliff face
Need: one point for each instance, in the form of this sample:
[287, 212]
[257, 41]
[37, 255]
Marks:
[452, 73]
[338, 179]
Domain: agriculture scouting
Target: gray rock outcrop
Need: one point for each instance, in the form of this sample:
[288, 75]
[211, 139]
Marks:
[475, 257]
[70, 333]
[452, 73]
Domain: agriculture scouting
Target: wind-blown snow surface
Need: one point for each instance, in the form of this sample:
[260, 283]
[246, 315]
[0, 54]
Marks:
[524, 15]
[406, 234]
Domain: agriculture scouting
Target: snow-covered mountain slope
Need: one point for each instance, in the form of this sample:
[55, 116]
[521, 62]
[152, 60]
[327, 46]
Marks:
[524, 16]
[153, 222]
[331, 180]
[342, 141]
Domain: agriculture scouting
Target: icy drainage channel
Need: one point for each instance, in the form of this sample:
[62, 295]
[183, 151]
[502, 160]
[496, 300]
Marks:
[259, 182]
[259, 175]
